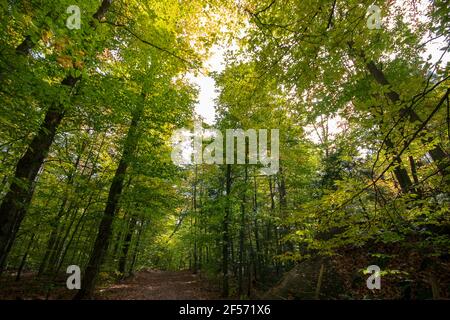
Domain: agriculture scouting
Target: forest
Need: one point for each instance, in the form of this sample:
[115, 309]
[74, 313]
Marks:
[324, 172]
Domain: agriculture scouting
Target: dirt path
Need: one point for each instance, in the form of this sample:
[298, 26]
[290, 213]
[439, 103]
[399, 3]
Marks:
[159, 285]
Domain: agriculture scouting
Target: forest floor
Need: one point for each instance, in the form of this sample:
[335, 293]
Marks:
[160, 285]
[144, 285]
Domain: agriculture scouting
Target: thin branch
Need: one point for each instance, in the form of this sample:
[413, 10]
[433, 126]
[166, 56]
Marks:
[416, 133]
[330, 19]
[266, 8]
[150, 43]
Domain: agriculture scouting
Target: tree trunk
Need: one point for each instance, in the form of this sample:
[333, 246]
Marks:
[136, 247]
[25, 256]
[194, 209]
[16, 202]
[105, 228]
[226, 236]
[242, 238]
[439, 156]
[126, 246]
[277, 242]
[66, 248]
[256, 231]
[18, 198]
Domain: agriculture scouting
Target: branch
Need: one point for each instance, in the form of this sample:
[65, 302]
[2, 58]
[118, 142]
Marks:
[416, 133]
[330, 19]
[149, 43]
[266, 8]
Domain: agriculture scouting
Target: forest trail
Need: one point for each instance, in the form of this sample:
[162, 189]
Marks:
[159, 285]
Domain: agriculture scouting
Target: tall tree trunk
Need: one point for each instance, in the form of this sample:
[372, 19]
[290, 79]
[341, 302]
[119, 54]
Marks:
[66, 248]
[226, 235]
[25, 256]
[277, 242]
[18, 198]
[117, 236]
[126, 246]
[256, 231]
[52, 239]
[242, 237]
[105, 228]
[194, 209]
[283, 210]
[136, 247]
[16, 202]
[55, 243]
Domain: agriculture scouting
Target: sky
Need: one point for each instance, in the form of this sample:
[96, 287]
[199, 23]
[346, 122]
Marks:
[208, 91]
